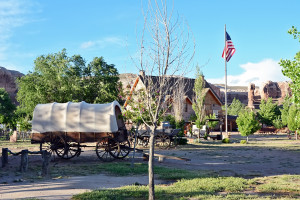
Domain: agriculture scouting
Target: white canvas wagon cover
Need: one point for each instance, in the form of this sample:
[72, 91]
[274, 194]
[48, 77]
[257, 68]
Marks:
[75, 117]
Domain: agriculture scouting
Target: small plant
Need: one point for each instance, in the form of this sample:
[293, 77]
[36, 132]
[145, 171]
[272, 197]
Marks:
[226, 140]
[243, 142]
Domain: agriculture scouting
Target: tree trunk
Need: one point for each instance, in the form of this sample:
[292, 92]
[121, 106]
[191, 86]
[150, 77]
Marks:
[150, 167]
[247, 139]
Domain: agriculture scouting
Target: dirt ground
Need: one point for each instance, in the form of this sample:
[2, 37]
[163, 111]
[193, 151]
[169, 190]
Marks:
[265, 155]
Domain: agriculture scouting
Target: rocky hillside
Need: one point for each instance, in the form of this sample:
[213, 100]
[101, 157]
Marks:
[7, 81]
[252, 95]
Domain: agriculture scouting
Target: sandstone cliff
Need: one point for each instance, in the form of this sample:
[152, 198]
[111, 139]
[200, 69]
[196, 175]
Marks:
[8, 81]
[252, 95]
[275, 90]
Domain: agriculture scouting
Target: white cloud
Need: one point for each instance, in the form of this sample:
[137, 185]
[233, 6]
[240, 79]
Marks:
[13, 13]
[256, 73]
[102, 43]
[86, 45]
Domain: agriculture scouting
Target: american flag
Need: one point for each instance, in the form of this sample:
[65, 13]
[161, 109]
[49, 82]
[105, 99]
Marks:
[229, 48]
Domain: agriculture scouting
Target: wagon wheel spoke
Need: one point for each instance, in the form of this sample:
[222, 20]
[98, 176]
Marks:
[105, 149]
[162, 141]
[124, 149]
[71, 150]
[114, 148]
[47, 146]
[174, 142]
[59, 145]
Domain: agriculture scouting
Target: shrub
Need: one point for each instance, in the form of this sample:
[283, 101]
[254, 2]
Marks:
[226, 140]
[278, 123]
[243, 142]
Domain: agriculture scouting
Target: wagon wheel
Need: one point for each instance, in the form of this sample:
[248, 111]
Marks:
[68, 150]
[131, 138]
[59, 145]
[175, 140]
[124, 149]
[162, 141]
[49, 145]
[144, 141]
[107, 149]
[46, 146]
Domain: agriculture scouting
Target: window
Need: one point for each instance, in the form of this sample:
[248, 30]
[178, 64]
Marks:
[186, 106]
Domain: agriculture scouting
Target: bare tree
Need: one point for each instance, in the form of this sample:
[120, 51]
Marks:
[166, 52]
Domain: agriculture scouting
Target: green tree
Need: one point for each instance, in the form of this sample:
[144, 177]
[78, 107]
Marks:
[198, 103]
[235, 107]
[212, 124]
[247, 123]
[291, 69]
[59, 78]
[268, 111]
[294, 118]
[278, 123]
[285, 110]
[7, 108]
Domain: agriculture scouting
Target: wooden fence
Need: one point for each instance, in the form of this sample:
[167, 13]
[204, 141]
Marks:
[24, 159]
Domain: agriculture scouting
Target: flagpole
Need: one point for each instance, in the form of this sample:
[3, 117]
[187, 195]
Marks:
[226, 126]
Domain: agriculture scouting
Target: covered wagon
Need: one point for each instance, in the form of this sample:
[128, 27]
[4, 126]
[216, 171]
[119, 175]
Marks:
[62, 128]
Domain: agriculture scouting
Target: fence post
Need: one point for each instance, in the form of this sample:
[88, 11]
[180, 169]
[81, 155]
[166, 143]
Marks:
[4, 156]
[46, 158]
[24, 160]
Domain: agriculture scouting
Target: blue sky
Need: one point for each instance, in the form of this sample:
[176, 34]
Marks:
[258, 29]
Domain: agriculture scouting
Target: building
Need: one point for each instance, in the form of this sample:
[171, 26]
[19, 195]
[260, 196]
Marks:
[212, 101]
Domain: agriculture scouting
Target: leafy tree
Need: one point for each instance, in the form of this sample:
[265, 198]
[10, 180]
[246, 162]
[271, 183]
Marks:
[294, 118]
[278, 123]
[212, 124]
[268, 111]
[285, 110]
[7, 108]
[198, 103]
[59, 78]
[235, 107]
[291, 69]
[247, 123]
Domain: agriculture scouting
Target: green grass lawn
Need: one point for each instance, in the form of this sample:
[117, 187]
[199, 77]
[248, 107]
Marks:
[197, 185]
[184, 184]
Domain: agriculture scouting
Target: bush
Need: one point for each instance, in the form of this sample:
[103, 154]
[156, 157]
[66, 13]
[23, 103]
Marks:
[243, 142]
[278, 123]
[226, 140]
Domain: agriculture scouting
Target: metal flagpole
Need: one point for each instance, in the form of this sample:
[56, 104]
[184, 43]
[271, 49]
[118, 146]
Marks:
[225, 56]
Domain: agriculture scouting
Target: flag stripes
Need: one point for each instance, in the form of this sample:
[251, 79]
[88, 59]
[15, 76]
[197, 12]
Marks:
[229, 48]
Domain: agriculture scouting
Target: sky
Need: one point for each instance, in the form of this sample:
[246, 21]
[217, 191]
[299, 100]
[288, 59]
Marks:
[94, 28]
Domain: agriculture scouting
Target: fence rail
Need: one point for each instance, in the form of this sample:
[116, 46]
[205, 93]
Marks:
[23, 135]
